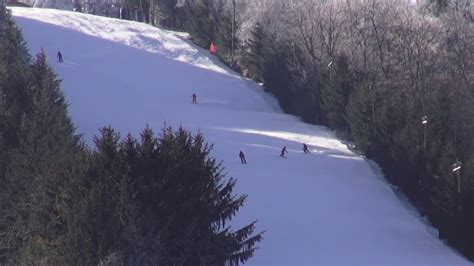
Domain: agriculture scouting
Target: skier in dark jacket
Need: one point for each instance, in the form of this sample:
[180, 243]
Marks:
[283, 152]
[242, 158]
[194, 98]
[60, 57]
[305, 148]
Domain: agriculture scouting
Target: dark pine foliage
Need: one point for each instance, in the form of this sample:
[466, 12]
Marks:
[163, 201]
[38, 147]
[255, 51]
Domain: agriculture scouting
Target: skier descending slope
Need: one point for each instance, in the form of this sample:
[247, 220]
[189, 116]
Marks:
[305, 148]
[194, 98]
[60, 57]
[283, 152]
[242, 158]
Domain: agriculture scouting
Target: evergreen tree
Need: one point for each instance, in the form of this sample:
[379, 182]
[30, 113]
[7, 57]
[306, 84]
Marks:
[208, 21]
[444, 197]
[465, 219]
[404, 134]
[335, 94]
[37, 150]
[360, 117]
[14, 103]
[182, 193]
[40, 166]
[200, 23]
[223, 36]
[205, 207]
[277, 76]
[254, 59]
[15, 82]
[160, 201]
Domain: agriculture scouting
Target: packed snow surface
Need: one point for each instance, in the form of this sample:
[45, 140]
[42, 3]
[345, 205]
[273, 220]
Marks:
[328, 207]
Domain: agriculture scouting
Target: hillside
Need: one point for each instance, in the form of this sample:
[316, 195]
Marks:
[328, 207]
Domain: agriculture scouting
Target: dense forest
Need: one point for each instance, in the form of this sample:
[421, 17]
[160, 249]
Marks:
[396, 78]
[161, 199]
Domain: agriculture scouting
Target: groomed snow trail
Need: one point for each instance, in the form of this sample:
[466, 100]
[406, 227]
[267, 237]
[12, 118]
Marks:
[325, 208]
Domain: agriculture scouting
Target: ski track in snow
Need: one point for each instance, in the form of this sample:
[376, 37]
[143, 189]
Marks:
[325, 208]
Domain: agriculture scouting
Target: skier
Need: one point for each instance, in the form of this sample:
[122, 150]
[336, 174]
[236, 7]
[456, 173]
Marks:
[242, 158]
[305, 148]
[283, 152]
[60, 57]
[194, 97]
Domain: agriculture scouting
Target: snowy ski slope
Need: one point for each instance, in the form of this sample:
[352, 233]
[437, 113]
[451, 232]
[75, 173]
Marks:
[325, 208]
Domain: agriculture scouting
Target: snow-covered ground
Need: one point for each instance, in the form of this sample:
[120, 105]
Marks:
[326, 208]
